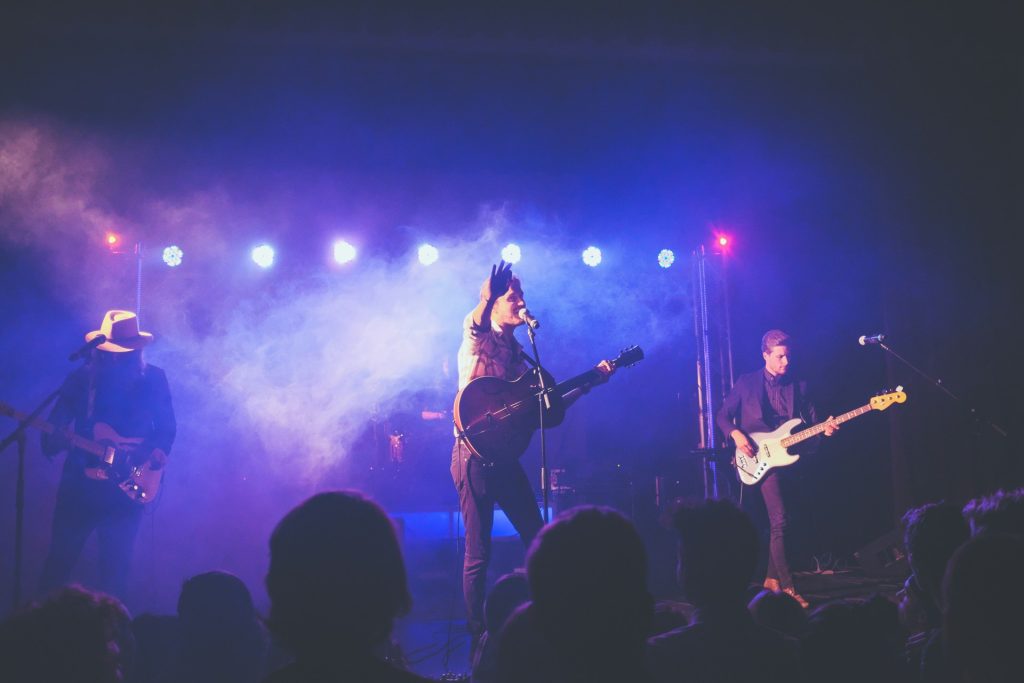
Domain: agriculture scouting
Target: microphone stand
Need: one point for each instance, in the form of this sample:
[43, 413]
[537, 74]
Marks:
[543, 404]
[18, 435]
[942, 387]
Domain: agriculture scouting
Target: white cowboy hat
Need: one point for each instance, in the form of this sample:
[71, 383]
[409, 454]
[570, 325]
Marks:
[121, 328]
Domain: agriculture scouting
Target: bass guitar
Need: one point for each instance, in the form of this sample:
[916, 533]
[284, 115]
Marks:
[771, 449]
[112, 457]
[496, 418]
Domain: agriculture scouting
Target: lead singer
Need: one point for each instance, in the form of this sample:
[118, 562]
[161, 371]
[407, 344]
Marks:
[490, 348]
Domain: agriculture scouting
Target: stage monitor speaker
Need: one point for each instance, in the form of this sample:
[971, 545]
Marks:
[884, 556]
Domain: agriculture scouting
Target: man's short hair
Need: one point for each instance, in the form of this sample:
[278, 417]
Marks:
[773, 338]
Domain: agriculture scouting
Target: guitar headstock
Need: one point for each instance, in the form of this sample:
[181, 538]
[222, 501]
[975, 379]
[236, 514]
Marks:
[629, 356]
[883, 401]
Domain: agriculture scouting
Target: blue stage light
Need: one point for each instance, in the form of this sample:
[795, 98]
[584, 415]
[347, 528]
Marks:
[173, 255]
[511, 253]
[263, 256]
[344, 252]
[592, 256]
[666, 258]
[428, 254]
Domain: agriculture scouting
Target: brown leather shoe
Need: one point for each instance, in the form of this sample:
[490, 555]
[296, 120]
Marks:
[772, 585]
[791, 592]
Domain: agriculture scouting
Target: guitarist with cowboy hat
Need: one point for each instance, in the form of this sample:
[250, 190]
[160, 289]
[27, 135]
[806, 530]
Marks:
[116, 388]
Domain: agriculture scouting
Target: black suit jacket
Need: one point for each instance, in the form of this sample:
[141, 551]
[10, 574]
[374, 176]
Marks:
[747, 406]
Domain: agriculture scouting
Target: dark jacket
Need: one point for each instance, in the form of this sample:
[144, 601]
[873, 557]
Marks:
[747, 406]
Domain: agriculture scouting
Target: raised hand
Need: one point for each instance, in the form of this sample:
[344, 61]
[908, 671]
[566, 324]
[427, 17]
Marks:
[498, 282]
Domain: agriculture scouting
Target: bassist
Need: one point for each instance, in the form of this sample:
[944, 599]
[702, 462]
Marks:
[760, 401]
[489, 348]
[117, 388]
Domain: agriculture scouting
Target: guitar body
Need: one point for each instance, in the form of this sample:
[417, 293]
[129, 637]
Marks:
[772, 449]
[497, 418]
[768, 453]
[121, 463]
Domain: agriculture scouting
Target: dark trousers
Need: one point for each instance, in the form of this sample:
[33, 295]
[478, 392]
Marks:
[771, 493]
[480, 486]
[84, 506]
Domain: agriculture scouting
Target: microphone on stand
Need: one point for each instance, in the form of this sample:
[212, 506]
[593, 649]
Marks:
[88, 346]
[871, 339]
[528, 318]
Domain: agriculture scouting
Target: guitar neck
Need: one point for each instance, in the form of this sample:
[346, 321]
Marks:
[77, 441]
[580, 380]
[820, 427]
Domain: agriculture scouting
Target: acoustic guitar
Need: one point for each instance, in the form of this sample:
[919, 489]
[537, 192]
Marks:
[496, 418]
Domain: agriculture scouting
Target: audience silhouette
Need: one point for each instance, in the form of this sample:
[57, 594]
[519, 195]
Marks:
[984, 600]
[1001, 511]
[779, 611]
[931, 534]
[509, 592]
[221, 639]
[580, 613]
[718, 550]
[336, 583]
[590, 609]
[853, 641]
[74, 634]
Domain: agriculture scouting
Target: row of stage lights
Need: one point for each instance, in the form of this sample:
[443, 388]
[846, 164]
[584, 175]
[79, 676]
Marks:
[344, 252]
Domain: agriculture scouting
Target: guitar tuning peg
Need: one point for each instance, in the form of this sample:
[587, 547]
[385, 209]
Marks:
[899, 387]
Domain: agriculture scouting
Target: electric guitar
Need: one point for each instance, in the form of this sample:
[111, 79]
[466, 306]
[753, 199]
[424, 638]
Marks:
[496, 418]
[114, 457]
[771, 449]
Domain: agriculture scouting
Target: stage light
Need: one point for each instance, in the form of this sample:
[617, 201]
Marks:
[113, 240]
[723, 240]
[666, 258]
[428, 254]
[263, 256]
[173, 255]
[344, 252]
[592, 256]
[511, 253]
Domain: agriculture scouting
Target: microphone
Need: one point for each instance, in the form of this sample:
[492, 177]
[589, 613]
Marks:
[88, 346]
[528, 318]
[871, 339]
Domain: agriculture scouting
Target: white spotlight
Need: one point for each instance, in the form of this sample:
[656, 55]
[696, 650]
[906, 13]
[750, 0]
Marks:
[173, 255]
[344, 252]
[511, 253]
[666, 258]
[592, 256]
[263, 256]
[428, 254]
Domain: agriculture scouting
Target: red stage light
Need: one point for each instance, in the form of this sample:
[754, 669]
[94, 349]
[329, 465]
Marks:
[113, 239]
[723, 241]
